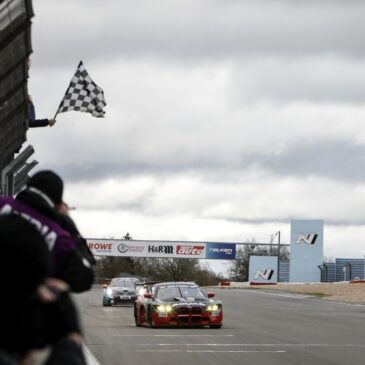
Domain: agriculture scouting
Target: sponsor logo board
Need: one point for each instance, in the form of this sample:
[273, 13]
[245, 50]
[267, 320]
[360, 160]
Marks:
[266, 274]
[139, 248]
[309, 238]
[160, 249]
[263, 269]
[190, 250]
[221, 251]
[98, 248]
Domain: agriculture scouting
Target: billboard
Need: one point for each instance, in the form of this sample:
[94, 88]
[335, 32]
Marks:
[263, 269]
[306, 250]
[175, 249]
[221, 251]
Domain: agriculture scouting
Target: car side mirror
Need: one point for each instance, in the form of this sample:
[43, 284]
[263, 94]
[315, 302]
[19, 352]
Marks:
[148, 295]
[211, 295]
[104, 286]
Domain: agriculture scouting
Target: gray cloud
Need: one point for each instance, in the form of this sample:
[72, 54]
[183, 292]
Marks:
[331, 159]
[320, 79]
[337, 160]
[183, 30]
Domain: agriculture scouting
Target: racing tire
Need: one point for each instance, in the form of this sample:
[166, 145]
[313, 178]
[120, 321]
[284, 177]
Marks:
[136, 321]
[149, 317]
[216, 326]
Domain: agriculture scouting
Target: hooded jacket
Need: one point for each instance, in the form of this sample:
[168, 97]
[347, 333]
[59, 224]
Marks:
[70, 263]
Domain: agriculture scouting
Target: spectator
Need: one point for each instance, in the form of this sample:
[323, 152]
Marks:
[41, 312]
[40, 203]
[32, 121]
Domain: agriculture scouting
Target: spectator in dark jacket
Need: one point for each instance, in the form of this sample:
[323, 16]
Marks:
[39, 311]
[40, 203]
[32, 122]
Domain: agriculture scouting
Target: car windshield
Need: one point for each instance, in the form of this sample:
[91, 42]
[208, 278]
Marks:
[123, 283]
[183, 291]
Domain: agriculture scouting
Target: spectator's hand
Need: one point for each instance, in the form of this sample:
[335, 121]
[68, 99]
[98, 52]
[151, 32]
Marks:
[76, 337]
[51, 122]
[51, 288]
[63, 208]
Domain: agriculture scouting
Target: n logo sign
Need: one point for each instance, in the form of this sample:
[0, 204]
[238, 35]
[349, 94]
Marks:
[310, 238]
[266, 275]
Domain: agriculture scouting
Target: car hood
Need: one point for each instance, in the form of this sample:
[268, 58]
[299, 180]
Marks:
[122, 288]
[177, 301]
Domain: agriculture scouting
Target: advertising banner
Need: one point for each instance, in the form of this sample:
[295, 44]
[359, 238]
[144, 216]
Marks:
[221, 251]
[176, 249]
[306, 250]
[263, 269]
[134, 248]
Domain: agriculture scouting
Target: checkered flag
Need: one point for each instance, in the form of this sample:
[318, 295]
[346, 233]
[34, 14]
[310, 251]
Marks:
[83, 95]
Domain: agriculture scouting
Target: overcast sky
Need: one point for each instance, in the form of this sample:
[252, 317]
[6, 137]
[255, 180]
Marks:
[225, 119]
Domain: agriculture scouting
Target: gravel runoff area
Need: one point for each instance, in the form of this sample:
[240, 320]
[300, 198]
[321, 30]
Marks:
[340, 292]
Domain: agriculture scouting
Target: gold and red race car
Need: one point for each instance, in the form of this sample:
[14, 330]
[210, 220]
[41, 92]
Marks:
[177, 304]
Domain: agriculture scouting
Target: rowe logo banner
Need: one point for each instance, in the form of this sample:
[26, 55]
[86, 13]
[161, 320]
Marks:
[166, 249]
[309, 238]
[100, 247]
[189, 250]
[266, 275]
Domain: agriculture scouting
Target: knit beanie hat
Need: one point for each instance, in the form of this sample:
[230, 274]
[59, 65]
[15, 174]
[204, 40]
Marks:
[48, 183]
[26, 258]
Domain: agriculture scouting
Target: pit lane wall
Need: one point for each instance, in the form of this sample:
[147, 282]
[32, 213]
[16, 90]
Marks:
[167, 249]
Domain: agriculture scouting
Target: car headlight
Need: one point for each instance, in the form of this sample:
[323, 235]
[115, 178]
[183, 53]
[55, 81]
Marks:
[213, 307]
[109, 292]
[164, 308]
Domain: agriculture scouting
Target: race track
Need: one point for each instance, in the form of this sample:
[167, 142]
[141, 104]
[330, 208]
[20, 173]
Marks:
[259, 328]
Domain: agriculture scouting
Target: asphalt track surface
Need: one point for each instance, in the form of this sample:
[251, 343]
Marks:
[259, 328]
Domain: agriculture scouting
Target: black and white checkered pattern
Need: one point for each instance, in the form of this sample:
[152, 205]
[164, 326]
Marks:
[83, 95]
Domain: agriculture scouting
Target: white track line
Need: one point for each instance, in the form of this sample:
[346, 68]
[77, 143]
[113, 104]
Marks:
[254, 344]
[185, 336]
[214, 351]
[89, 357]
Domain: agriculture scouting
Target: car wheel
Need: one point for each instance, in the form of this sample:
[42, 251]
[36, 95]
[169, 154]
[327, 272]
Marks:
[106, 302]
[216, 326]
[149, 317]
[136, 320]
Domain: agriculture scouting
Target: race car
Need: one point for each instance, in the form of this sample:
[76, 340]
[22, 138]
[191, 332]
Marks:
[120, 291]
[177, 304]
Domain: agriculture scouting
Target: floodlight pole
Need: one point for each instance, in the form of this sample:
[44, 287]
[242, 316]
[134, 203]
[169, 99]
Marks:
[278, 270]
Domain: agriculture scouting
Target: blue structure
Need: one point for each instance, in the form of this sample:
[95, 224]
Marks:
[306, 250]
